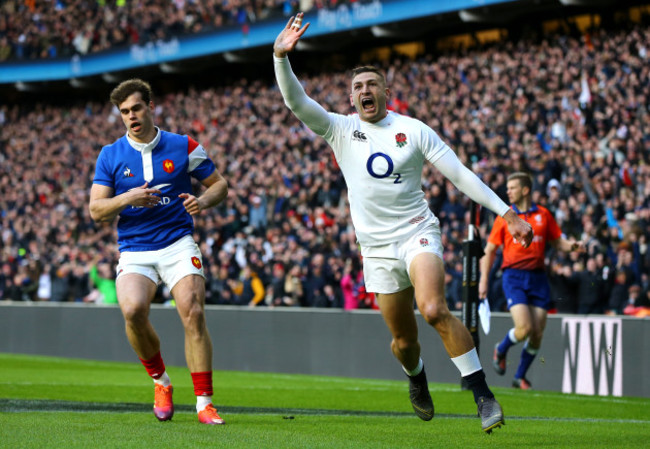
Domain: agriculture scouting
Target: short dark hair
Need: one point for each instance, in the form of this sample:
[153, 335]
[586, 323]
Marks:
[368, 68]
[126, 88]
[525, 179]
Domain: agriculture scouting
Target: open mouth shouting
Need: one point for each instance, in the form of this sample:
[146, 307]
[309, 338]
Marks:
[368, 105]
[136, 127]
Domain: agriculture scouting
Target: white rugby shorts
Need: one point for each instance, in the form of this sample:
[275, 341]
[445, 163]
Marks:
[170, 264]
[386, 268]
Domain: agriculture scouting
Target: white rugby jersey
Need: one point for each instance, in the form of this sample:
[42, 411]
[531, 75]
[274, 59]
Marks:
[382, 164]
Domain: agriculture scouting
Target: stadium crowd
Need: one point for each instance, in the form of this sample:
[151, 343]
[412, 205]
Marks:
[33, 29]
[573, 111]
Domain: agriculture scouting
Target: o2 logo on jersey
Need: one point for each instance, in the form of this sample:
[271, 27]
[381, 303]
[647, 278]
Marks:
[381, 166]
[168, 165]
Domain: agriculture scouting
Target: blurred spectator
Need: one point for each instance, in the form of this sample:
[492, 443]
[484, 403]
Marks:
[317, 279]
[638, 302]
[619, 296]
[293, 287]
[218, 286]
[80, 280]
[248, 289]
[62, 280]
[592, 294]
[276, 294]
[563, 294]
[44, 291]
[103, 281]
[257, 212]
[328, 298]
[454, 286]
[352, 275]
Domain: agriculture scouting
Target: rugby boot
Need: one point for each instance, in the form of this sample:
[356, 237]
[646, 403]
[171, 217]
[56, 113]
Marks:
[209, 415]
[499, 361]
[522, 383]
[163, 406]
[420, 397]
[491, 414]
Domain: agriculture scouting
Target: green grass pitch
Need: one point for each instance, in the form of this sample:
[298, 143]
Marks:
[67, 403]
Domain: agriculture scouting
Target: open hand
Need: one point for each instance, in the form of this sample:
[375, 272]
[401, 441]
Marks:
[290, 35]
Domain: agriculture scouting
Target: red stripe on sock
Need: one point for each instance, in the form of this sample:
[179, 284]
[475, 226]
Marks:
[202, 383]
[154, 366]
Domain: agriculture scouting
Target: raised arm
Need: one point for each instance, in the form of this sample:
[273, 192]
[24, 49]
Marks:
[470, 184]
[307, 110]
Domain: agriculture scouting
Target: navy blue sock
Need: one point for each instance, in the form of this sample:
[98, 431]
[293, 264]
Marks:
[476, 383]
[526, 360]
[505, 344]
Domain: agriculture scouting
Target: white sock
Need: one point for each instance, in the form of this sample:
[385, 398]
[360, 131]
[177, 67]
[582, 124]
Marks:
[529, 350]
[415, 371]
[467, 363]
[202, 402]
[511, 336]
[163, 380]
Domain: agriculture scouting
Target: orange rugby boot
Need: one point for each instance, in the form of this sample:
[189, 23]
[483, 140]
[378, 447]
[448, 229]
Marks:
[163, 406]
[209, 415]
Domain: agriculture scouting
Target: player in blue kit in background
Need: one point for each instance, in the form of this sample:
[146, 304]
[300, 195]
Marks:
[381, 155]
[145, 178]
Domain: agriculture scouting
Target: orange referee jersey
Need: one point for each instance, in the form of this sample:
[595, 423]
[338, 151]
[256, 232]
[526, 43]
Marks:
[545, 229]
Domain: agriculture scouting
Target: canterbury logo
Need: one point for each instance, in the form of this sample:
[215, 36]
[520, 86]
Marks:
[416, 220]
[358, 135]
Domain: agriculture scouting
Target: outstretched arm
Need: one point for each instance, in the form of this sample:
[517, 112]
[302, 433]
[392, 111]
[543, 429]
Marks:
[470, 184]
[565, 245]
[307, 110]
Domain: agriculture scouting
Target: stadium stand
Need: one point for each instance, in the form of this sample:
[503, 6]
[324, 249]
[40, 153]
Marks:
[33, 29]
[570, 107]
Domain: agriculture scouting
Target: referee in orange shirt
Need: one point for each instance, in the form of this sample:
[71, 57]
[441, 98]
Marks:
[524, 277]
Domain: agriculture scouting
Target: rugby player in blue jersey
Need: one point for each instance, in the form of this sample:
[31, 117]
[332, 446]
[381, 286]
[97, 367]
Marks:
[145, 178]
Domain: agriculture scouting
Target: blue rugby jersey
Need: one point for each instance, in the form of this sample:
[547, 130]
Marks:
[167, 164]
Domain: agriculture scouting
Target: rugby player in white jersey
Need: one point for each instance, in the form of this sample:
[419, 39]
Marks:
[145, 178]
[381, 155]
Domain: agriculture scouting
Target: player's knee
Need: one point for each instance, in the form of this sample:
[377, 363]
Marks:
[523, 331]
[194, 317]
[435, 313]
[135, 314]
